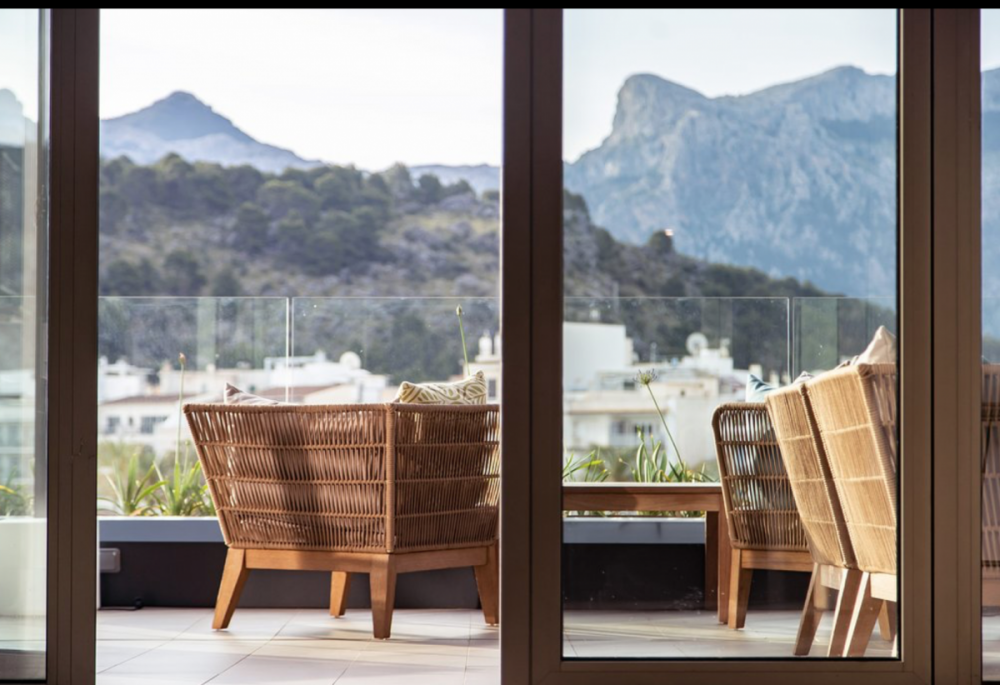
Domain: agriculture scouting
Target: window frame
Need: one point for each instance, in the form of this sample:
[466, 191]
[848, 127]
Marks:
[532, 306]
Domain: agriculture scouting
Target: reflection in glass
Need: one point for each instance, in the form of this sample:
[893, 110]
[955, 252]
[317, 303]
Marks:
[23, 174]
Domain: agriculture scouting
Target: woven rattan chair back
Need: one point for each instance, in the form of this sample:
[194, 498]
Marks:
[855, 413]
[757, 495]
[352, 478]
[991, 471]
[810, 477]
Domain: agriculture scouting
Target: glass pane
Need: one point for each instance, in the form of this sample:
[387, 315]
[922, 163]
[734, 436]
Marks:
[730, 240]
[293, 205]
[990, 59]
[23, 232]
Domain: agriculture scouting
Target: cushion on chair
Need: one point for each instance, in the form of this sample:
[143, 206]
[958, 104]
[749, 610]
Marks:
[233, 395]
[758, 389]
[881, 350]
[471, 390]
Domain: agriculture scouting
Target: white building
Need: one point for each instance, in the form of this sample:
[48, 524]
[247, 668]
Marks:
[604, 405]
[17, 426]
[137, 411]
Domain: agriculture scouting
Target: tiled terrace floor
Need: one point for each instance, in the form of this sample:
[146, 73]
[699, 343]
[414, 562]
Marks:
[308, 647]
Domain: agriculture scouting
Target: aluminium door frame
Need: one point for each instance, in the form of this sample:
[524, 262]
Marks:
[957, 345]
[72, 347]
[532, 306]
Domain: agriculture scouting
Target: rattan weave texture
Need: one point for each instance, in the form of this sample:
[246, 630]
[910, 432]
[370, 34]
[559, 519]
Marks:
[810, 477]
[855, 412]
[755, 488]
[352, 478]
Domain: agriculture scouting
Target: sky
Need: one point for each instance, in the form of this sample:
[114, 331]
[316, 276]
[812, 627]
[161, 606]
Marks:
[374, 87]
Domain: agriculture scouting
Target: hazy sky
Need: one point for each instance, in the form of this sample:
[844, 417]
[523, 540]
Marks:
[374, 87]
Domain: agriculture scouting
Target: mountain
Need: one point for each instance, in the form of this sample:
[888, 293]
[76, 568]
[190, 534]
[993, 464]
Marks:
[481, 177]
[181, 123]
[797, 179]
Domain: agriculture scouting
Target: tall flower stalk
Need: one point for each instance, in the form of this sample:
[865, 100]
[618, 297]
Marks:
[461, 329]
[645, 378]
[180, 407]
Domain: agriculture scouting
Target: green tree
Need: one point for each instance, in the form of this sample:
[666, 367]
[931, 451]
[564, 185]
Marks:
[252, 225]
[339, 187]
[400, 183]
[244, 182]
[182, 274]
[429, 189]
[124, 278]
[113, 208]
[225, 283]
[281, 198]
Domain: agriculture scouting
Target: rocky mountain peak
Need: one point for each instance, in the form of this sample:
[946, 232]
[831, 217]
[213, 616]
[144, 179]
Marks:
[180, 116]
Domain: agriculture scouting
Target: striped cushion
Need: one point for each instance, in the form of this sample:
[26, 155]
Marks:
[472, 390]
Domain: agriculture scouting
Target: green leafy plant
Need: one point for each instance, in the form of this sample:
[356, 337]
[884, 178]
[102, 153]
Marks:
[14, 501]
[652, 462]
[651, 465]
[133, 495]
[588, 469]
[183, 494]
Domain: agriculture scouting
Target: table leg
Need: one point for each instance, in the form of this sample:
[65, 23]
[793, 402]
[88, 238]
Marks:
[711, 560]
[725, 561]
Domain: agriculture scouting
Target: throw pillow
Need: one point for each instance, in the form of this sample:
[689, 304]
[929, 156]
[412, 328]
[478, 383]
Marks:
[233, 395]
[471, 390]
[758, 389]
[881, 350]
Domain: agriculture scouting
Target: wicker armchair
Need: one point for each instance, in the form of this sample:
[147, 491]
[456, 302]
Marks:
[855, 413]
[764, 526]
[835, 566]
[378, 488]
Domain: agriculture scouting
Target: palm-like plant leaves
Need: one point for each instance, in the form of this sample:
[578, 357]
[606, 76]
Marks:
[133, 495]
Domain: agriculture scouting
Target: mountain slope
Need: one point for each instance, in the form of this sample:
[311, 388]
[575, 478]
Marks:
[182, 124]
[798, 180]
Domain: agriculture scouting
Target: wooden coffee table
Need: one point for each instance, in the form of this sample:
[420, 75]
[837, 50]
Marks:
[705, 497]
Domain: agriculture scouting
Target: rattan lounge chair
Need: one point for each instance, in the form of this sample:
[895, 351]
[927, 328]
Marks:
[855, 412]
[378, 488]
[835, 567]
[764, 526]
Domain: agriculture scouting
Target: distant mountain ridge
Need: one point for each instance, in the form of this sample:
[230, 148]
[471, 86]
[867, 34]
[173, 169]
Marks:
[797, 179]
[181, 123]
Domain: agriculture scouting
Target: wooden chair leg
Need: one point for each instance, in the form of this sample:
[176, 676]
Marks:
[739, 591]
[725, 568]
[340, 583]
[383, 587]
[488, 582]
[887, 621]
[866, 611]
[234, 577]
[843, 613]
[811, 614]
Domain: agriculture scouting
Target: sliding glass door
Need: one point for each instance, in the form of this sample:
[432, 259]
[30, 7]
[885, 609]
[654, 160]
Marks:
[728, 405]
